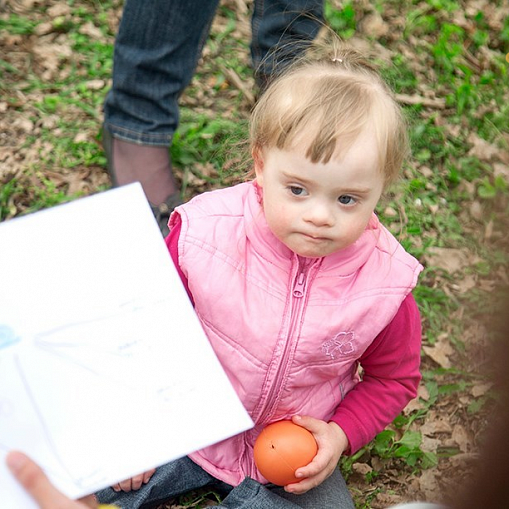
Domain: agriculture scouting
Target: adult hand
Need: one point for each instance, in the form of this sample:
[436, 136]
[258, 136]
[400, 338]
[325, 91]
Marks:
[332, 441]
[134, 483]
[35, 482]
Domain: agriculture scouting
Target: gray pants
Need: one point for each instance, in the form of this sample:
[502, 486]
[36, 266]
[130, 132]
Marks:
[183, 475]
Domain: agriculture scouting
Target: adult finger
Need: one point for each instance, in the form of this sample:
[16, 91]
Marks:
[91, 501]
[35, 482]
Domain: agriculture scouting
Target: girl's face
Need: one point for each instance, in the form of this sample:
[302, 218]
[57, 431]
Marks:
[317, 209]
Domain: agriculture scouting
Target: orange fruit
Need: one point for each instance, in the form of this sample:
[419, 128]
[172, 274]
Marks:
[280, 449]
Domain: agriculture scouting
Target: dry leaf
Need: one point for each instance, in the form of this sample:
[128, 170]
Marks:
[480, 389]
[24, 124]
[476, 210]
[374, 25]
[91, 30]
[429, 485]
[430, 444]
[460, 436]
[390, 212]
[95, 84]
[412, 406]
[502, 170]
[482, 149]
[49, 56]
[362, 468]
[459, 460]
[387, 500]
[488, 230]
[23, 5]
[44, 28]
[440, 352]
[450, 259]
[59, 9]
[80, 137]
[432, 427]
[422, 392]
[465, 284]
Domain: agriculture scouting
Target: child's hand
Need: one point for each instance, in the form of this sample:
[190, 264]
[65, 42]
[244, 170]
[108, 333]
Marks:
[331, 441]
[134, 483]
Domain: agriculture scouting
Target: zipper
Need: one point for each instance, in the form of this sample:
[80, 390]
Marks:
[299, 285]
[299, 288]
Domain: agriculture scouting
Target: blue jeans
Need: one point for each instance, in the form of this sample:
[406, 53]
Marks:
[183, 475]
[157, 48]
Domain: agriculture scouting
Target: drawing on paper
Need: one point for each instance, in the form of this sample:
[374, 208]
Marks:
[7, 336]
[90, 345]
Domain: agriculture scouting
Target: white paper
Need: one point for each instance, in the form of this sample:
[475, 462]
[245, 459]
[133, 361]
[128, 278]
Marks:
[105, 371]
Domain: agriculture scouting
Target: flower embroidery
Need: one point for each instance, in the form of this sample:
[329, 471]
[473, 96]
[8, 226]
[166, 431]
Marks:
[341, 344]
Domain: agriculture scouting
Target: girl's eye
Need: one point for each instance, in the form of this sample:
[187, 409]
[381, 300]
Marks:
[346, 200]
[297, 191]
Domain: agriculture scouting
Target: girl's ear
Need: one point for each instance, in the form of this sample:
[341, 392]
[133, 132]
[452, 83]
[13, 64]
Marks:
[258, 165]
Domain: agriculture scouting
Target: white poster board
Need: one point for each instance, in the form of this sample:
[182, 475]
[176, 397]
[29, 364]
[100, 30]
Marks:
[105, 371]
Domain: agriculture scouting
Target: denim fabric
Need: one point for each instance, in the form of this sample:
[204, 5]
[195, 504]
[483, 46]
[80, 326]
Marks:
[281, 30]
[157, 48]
[181, 476]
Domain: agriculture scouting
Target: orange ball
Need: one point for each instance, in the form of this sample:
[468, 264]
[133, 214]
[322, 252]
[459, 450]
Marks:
[281, 448]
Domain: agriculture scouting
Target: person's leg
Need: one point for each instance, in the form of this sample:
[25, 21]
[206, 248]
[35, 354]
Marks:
[250, 494]
[170, 480]
[331, 494]
[156, 51]
[183, 475]
[282, 30]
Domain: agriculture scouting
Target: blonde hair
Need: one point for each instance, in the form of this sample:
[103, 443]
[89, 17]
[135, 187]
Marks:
[329, 97]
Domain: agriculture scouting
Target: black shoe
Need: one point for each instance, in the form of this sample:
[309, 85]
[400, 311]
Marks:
[163, 212]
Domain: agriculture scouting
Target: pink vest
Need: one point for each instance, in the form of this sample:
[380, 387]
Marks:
[287, 330]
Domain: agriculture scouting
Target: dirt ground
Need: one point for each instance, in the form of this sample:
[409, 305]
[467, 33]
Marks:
[452, 427]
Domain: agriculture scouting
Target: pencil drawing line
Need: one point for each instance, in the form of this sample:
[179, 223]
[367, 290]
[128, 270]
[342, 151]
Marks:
[55, 351]
[42, 422]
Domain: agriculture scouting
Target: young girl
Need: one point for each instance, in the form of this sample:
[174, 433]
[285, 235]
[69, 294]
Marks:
[297, 283]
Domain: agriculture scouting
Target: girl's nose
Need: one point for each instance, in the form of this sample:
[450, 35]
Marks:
[319, 214]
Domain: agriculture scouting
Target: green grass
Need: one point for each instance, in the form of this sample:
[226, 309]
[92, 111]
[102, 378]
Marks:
[430, 55]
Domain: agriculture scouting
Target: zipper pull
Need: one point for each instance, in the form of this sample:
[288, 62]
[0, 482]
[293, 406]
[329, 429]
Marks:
[298, 287]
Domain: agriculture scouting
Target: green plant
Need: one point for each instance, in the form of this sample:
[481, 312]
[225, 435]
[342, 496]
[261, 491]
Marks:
[47, 195]
[490, 188]
[203, 139]
[407, 448]
[426, 54]
[343, 20]
[7, 190]
[19, 25]
[449, 48]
